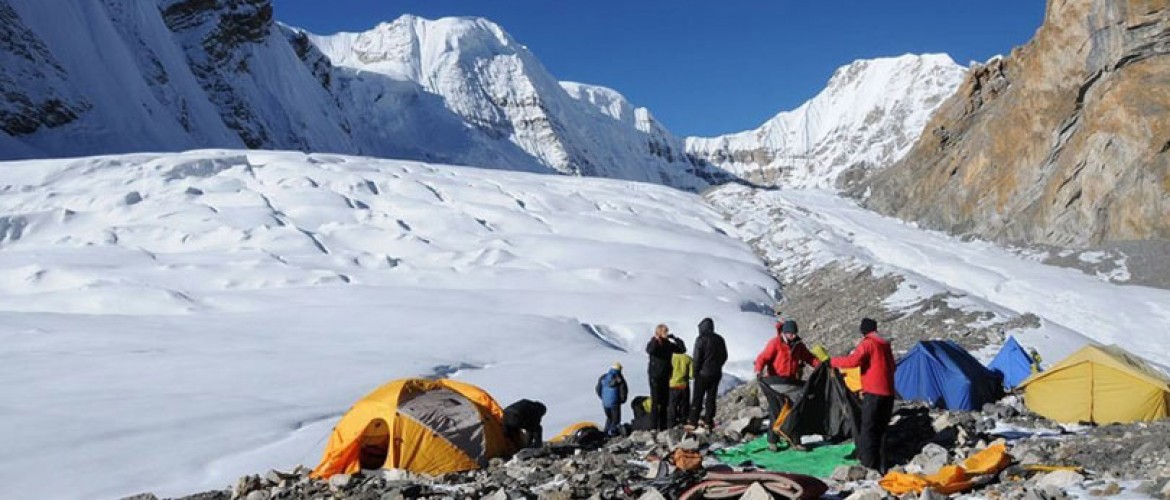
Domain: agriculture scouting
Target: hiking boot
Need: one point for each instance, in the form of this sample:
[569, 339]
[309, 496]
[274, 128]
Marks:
[799, 447]
[773, 447]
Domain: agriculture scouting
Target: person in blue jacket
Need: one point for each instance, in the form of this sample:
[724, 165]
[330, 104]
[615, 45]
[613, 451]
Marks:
[612, 390]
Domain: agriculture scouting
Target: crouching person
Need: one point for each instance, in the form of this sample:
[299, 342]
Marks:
[522, 423]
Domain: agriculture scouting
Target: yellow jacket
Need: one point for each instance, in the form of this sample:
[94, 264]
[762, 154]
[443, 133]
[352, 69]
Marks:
[683, 370]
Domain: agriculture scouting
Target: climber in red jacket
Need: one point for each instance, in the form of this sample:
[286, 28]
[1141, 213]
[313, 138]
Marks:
[876, 360]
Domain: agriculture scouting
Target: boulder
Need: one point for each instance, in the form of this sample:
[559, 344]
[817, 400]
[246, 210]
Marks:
[1062, 479]
[756, 492]
[245, 485]
[867, 494]
[500, 494]
[847, 473]
[932, 458]
[652, 494]
[340, 481]
[931, 494]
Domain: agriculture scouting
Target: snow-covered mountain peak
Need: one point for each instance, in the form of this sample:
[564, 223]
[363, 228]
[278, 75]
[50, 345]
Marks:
[609, 101]
[500, 89]
[84, 78]
[867, 116]
[416, 46]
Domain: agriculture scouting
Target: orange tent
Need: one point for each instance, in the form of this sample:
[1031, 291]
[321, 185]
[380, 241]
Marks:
[951, 478]
[424, 426]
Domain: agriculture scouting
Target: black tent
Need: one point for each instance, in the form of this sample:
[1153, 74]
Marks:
[826, 407]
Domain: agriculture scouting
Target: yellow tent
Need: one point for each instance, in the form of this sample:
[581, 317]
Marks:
[1101, 385]
[425, 426]
[572, 429]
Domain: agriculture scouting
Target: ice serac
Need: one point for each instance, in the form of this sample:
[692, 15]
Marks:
[866, 118]
[477, 72]
[1064, 142]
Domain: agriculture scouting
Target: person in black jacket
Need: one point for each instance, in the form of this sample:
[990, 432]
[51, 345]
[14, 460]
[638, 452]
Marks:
[710, 354]
[661, 349]
[522, 423]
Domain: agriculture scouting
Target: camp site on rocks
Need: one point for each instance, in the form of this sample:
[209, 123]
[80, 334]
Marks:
[269, 250]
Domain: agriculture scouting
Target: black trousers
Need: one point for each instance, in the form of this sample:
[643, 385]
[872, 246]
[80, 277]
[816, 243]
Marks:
[680, 406]
[706, 390]
[875, 419]
[659, 399]
[613, 420]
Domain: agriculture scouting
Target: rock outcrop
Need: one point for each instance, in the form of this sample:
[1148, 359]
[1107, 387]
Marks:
[1065, 142]
[26, 59]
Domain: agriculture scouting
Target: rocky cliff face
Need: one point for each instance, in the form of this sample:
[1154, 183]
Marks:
[25, 58]
[1065, 142]
[244, 63]
[868, 116]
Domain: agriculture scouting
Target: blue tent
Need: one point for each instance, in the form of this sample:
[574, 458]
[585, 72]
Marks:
[1013, 363]
[944, 375]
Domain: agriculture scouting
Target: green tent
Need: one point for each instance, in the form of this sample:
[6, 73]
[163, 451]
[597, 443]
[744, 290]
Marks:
[819, 460]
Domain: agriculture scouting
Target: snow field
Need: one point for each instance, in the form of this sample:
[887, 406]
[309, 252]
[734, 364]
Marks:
[172, 322]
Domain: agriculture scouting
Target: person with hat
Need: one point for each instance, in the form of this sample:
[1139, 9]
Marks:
[785, 355]
[876, 360]
[710, 356]
[661, 349]
[780, 366]
[612, 389]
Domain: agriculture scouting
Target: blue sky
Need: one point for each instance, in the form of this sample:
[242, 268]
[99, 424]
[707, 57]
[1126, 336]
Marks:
[710, 67]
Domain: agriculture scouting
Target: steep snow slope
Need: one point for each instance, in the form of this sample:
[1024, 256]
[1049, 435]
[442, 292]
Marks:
[171, 322]
[501, 89]
[867, 117]
[806, 229]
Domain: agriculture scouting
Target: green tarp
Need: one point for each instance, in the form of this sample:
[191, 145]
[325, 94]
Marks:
[819, 460]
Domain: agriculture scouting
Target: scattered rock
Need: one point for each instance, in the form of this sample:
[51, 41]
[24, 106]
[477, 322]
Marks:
[245, 485]
[931, 494]
[756, 492]
[1110, 489]
[1060, 479]
[340, 481]
[867, 494]
[652, 494]
[847, 473]
[932, 458]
